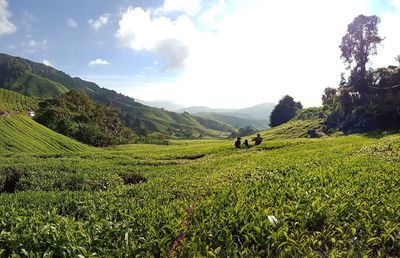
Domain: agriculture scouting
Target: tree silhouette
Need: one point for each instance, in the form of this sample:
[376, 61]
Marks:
[284, 111]
[358, 44]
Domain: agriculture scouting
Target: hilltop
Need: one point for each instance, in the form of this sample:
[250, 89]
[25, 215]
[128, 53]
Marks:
[41, 81]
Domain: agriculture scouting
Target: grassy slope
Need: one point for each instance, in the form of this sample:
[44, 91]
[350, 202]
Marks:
[332, 197]
[35, 86]
[160, 120]
[13, 101]
[292, 129]
[22, 134]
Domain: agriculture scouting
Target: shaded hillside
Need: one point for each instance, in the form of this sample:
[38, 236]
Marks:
[13, 101]
[38, 80]
[235, 121]
[22, 134]
[256, 116]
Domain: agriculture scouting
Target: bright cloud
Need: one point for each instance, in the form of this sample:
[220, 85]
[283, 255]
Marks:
[258, 52]
[170, 39]
[47, 62]
[100, 22]
[6, 26]
[72, 23]
[98, 61]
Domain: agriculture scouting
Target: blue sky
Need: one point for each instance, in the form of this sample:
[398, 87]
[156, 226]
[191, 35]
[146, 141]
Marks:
[220, 53]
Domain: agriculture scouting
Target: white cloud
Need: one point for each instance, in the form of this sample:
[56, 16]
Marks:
[170, 39]
[191, 7]
[47, 62]
[100, 22]
[259, 52]
[37, 44]
[6, 26]
[98, 61]
[72, 23]
[27, 20]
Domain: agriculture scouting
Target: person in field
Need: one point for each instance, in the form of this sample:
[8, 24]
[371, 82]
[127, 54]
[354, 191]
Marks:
[257, 140]
[245, 145]
[238, 143]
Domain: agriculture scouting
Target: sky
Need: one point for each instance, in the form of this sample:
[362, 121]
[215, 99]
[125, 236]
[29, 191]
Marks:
[216, 53]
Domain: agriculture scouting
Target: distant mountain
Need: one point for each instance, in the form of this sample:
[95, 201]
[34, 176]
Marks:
[260, 111]
[167, 105]
[234, 120]
[256, 116]
[38, 80]
[203, 109]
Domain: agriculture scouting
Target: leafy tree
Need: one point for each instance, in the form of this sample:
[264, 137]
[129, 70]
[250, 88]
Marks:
[284, 111]
[75, 115]
[357, 45]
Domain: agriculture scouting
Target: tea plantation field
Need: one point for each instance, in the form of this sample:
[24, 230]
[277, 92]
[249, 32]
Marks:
[22, 134]
[328, 197]
[13, 101]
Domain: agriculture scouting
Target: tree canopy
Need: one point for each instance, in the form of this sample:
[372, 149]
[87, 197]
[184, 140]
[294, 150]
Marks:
[284, 111]
[360, 41]
[75, 115]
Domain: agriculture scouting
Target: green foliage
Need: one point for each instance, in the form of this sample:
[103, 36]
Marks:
[12, 101]
[379, 109]
[310, 113]
[75, 115]
[155, 138]
[286, 198]
[284, 111]
[22, 134]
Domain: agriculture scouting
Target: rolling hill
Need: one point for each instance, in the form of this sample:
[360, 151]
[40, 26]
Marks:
[22, 134]
[38, 80]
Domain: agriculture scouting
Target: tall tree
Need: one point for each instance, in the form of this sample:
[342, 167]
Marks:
[360, 41]
[284, 111]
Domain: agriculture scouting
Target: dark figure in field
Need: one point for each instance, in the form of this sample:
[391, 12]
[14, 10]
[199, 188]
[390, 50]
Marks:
[258, 139]
[238, 143]
[246, 144]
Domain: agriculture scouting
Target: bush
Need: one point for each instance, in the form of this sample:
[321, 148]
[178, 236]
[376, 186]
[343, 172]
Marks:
[9, 178]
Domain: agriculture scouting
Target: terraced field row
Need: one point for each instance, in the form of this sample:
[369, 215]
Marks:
[22, 134]
[13, 101]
